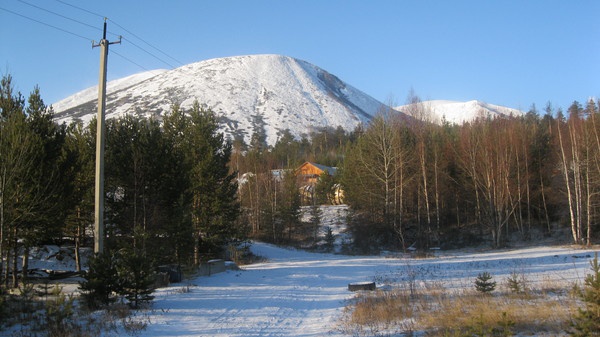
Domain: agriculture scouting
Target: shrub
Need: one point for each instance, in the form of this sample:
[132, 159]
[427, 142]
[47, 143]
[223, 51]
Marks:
[59, 312]
[516, 283]
[484, 283]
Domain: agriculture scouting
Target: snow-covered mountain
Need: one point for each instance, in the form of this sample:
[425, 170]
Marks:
[257, 93]
[455, 112]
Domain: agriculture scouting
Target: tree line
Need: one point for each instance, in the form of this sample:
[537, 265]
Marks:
[411, 182]
[170, 195]
[177, 191]
[422, 184]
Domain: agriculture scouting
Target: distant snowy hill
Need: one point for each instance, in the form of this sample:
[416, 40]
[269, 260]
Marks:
[257, 93]
[456, 112]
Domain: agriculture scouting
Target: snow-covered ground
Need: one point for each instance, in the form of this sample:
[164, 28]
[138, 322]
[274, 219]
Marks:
[296, 293]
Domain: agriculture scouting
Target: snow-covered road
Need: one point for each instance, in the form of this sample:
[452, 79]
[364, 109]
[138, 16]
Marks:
[296, 293]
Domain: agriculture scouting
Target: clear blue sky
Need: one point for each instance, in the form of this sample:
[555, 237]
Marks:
[505, 52]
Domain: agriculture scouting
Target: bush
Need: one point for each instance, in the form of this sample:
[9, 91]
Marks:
[484, 283]
[516, 283]
[59, 312]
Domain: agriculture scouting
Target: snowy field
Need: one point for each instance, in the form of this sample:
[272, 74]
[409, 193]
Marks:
[296, 293]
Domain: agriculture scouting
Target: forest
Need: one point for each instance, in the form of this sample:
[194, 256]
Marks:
[178, 191]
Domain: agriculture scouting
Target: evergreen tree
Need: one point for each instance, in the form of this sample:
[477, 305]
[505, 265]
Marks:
[80, 215]
[212, 185]
[315, 219]
[136, 276]
[101, 281]
[324, 189]
[484, 283]
[287, 208]
[329, 238]
[16, 151]
[31, 159]
[587, 320]
[52, 175]
[178, 229]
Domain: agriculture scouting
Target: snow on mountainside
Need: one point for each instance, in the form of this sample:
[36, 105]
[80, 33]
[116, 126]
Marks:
[91, 94]
[456, 112]
[257, 93]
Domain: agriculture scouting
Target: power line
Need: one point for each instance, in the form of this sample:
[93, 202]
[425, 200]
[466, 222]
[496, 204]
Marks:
[149, 53]
[81, 9]
[58, 14]
[130, 33]
[129, 60]
[139, 38]
[96, 28]
[46, 24]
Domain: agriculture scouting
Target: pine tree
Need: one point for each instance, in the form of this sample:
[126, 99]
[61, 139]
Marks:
[213, 187]
[288, 207]
[101, 281]
[587, 320]
[329, 238]
[80, 146]
[30, 157]
[136, 277]
[51, 176]
[324, 189]
[484, 283]
[177, 227]
[315, 219]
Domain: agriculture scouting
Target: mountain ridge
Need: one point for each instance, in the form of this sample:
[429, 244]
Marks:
[253, 93]
[267, 94]
[457, 112]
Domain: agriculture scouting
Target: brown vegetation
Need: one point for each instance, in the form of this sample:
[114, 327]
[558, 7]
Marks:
[443, 312]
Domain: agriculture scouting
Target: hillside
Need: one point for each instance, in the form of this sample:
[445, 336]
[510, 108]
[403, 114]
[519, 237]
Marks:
[258, 93]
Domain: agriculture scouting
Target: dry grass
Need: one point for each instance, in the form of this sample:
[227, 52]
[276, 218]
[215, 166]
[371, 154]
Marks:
[500, 314]
[440, 312]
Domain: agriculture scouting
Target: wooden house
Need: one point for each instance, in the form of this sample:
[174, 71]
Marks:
[308, 173]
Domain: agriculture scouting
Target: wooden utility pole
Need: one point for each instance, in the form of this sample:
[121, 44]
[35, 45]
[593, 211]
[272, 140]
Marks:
[100, 136]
